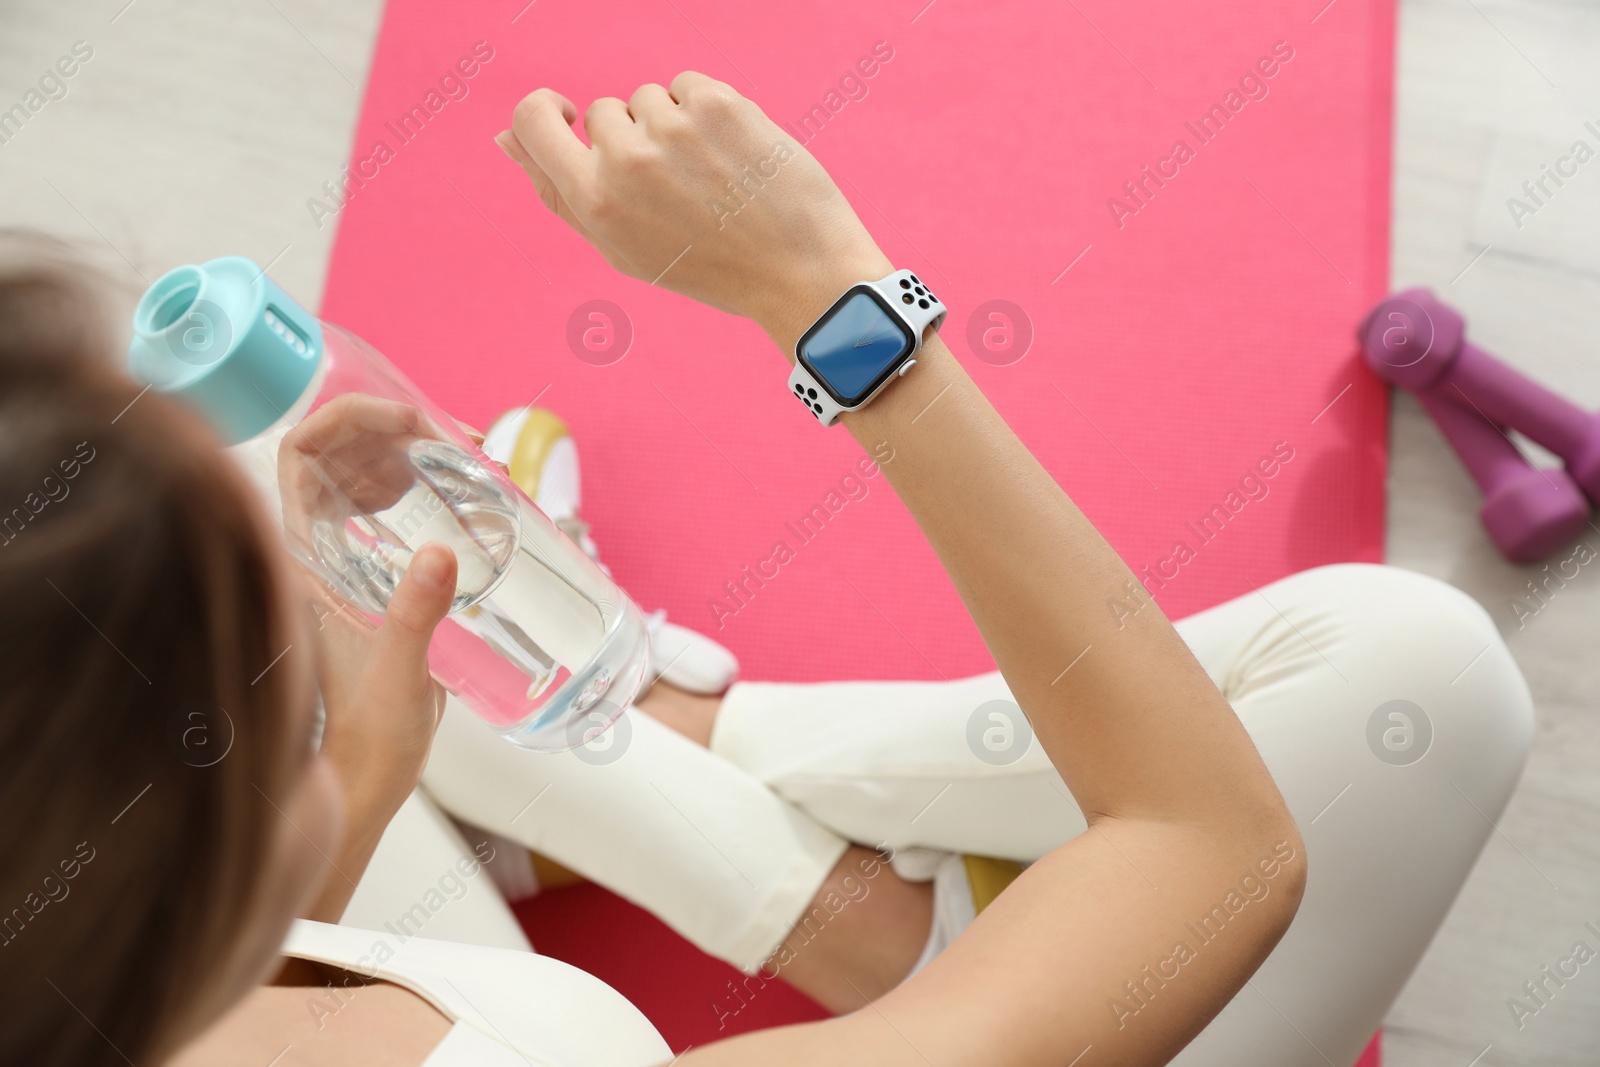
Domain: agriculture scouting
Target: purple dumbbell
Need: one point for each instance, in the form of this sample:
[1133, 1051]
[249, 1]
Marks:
[1528, 512]
[1416, 341]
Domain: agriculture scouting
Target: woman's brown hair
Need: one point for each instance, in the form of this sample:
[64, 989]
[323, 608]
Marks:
[144, 741]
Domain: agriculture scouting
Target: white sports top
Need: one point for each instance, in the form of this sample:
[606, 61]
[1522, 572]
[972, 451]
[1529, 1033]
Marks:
[510, 1008]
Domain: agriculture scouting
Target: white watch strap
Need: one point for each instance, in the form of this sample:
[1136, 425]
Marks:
[916, 305]
[811, 393]
[914, 300]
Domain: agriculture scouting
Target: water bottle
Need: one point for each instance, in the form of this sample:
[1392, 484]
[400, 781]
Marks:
[362, 470]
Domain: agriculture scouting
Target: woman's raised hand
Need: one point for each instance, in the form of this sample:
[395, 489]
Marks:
[692, 188]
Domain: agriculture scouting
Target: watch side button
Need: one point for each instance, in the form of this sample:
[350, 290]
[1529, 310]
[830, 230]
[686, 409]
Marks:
[907, 365]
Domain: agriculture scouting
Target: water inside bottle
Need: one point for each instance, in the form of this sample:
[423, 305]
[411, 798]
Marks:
[536, 638]
[455, 501]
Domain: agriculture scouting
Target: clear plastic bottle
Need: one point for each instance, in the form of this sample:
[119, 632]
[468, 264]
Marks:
[363, 470]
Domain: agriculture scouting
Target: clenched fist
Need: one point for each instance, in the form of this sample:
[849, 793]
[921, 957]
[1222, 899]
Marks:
[693, 188]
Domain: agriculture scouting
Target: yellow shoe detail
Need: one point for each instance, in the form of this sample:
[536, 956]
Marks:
[987, 877]
[537, 437]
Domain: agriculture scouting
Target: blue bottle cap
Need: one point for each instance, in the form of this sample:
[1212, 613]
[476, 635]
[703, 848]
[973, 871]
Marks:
[226, 340]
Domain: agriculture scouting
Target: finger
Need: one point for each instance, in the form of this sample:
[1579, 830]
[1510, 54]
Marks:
[355, 415]
[651, 101]
[420, 603]
[691, 83]
[507, 140]
[607, 121]
[355, 447]
[475, 435]
[542, 183]
[551, 195]
[542, 124]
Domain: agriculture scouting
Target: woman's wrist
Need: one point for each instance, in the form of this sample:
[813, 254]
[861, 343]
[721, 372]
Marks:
[375, 779]
[373, 791]
[816, 284]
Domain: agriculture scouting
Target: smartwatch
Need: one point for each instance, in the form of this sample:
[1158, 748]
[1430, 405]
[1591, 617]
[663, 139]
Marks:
[867, 339]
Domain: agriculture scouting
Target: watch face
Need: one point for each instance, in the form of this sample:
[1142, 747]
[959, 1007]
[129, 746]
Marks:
[855, 346]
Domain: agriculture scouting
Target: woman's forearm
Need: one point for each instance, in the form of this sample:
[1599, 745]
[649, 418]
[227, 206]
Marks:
[372, 797]
[1117, 699]
[1133, 724]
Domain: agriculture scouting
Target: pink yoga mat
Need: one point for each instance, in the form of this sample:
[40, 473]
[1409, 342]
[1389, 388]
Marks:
[1155, 224]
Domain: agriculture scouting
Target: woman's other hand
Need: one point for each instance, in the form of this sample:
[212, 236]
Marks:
[382, 706]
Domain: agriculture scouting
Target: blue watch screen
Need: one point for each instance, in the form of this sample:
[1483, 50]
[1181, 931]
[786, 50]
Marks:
[854, 347]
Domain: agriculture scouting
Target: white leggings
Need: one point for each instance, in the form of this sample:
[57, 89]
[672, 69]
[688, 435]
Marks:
[729, 845]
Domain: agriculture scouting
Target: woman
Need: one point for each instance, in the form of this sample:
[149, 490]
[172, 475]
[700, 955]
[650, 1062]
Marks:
[169, 599]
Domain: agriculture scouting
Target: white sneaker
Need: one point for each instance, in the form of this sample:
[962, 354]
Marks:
[542, 458]
[511, 868]
[688, 660]
[537, 449]
[962, 887]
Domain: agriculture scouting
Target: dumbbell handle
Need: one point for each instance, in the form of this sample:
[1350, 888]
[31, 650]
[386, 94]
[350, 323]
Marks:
[1506, 396]
[1489, 457]
[1528, 512]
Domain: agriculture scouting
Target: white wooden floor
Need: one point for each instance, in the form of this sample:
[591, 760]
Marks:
[198, 129]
